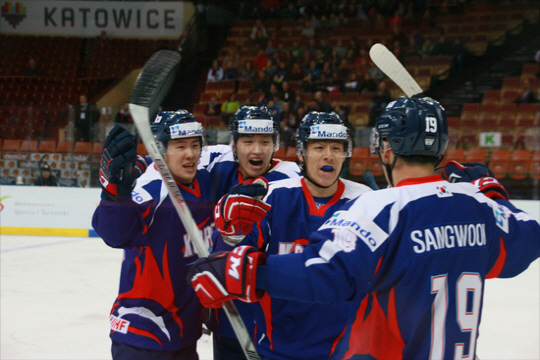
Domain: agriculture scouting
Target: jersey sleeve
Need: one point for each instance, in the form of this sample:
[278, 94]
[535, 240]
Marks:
[518, 241]
[126, 223]
[212, 154]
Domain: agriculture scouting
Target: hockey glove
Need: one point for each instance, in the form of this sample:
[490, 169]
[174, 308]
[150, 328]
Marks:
[478, 174]
[120, 165]
[236, 212]
[227, 275]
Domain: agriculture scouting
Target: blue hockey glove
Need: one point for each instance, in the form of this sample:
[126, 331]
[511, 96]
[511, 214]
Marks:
[120, 165]
[237, 211]
[227, 275]
[478, 174]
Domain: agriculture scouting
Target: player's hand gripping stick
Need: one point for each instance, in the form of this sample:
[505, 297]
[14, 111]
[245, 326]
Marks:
[227, 275]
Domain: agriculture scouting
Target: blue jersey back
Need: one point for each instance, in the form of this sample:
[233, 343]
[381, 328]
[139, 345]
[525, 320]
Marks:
[289, 329]
[414, 260]
[156, 308]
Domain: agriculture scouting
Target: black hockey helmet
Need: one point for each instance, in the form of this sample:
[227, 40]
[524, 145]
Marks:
[169, 125]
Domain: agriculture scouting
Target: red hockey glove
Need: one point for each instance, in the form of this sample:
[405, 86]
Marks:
[120, 165]
[236, 212]
[477, 173]
[227, 275]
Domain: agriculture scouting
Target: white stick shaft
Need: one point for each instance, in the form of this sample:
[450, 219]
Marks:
[390, 65]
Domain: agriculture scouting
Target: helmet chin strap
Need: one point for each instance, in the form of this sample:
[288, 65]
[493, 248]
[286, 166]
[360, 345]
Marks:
[389, 168]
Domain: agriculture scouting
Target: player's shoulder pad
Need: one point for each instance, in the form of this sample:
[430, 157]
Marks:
[149, 186]
[353, 189]
[214, 154]
[280, 185]
[288, 168]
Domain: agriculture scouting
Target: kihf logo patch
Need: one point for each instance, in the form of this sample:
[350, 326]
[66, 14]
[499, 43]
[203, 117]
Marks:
[14, 13]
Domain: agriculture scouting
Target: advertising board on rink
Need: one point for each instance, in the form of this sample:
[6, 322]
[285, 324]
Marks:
[47, 211]
[141, 19]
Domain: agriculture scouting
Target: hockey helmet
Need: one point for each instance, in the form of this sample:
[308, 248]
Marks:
[170, 125]
[412, 127]
[254, 120]
[322, 126]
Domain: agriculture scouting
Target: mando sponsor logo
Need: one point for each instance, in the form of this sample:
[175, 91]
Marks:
[14, 13]
[243, 127]
[333, 222]
[316, 132]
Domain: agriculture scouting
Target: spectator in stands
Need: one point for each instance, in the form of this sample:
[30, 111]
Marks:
[308, 83]
[248, 72]
[527, 93]
[340, 49]
[214, 107]
[298, 102]
[46, 178]
[261, 83]
[260, 41]
[297, 50]
[233, 56]
[367, 84]
[270, 69]
[296, 73]
[322, 104]
[288, 125]
[352, 83]
[381, 97]
[86, 117]
[308, 30]
[374, 72]
[123, 116]
[229, 71]
[229, 108]
[215, 73]
[273, 90]
[314, 70]
[260, 60]
[258, 29]
[32, 69]
[427, 47]
[288, 95]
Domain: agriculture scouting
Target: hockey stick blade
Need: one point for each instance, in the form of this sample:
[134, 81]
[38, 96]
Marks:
[151, 87]
[390, 65]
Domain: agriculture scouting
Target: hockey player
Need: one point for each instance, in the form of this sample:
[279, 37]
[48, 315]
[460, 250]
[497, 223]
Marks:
[412, 258]
[288, 329]
[254, 137]
[156, 314]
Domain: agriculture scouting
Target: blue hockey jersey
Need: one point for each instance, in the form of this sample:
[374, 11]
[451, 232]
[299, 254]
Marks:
[219, 161]
[413, 260]
[156, 308]
[289, 329]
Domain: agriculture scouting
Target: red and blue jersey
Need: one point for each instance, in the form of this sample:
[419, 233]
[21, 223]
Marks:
[156, 308]
[413, 261]
[289, 329]
[219, 161]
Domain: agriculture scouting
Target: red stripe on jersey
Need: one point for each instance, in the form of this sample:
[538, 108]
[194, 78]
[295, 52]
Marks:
[144, 333]
[149, 283]
[373, 333]
[147, 211]
[203, 224]
[499, 263]
[260, 239]
[378, 264]
[313, 211]
[265, 303]
[420, 180]
[195, 187]
[336, 342]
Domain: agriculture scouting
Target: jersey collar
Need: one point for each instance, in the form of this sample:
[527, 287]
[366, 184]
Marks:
[313, 211]
[195, 189]
[420, 180]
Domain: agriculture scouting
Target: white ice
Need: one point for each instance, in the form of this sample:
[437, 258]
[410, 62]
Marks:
[56, 294]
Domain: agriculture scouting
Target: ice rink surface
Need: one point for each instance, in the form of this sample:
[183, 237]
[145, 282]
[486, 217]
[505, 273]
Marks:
[56, 294]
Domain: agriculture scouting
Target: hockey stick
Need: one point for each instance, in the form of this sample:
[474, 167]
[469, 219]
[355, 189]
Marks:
[151, 87]
[390, 65]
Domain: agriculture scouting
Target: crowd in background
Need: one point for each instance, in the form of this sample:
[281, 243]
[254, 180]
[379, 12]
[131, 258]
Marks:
[322, 66]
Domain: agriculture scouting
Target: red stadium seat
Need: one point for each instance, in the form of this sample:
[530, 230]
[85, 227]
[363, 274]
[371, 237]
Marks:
[47, 146]
[96, 148]
[29, 146]
[64, 147]
[519, 164]
[11, 145]
[82, 147]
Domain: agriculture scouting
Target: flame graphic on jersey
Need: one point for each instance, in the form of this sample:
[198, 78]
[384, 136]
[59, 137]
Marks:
[150, 284]
[373, 333]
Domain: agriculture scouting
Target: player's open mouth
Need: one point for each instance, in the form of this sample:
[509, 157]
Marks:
[327, 168]
[189, 167]
[255, 162]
